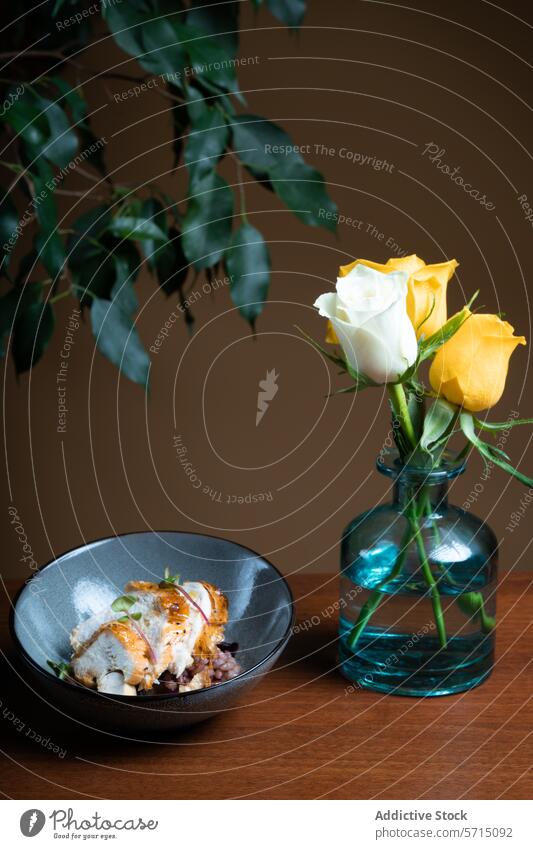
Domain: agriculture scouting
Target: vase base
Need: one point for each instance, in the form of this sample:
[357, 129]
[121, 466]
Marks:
[431, 673]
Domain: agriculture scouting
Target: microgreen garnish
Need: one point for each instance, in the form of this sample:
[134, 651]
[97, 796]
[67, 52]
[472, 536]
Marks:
[62, 670]
[123, 603]
[168, 580]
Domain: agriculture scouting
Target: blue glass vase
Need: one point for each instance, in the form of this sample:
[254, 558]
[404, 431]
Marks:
[418, 590]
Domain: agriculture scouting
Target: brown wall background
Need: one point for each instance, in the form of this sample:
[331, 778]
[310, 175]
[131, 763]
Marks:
[379, 79]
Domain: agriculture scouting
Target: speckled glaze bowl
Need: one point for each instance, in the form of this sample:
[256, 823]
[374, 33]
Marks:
[75, 585]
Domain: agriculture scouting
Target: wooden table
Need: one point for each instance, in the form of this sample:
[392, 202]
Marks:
[301, 735]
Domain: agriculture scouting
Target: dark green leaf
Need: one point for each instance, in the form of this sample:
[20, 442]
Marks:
[302, 188]
[48, 242]
[117, 338]
[32, 332]
[290, 12]
[180, 123]
[490, 452]
[268, 152]
[143, 32]
[205, 145]
[494, 426]
[27, 120]
[172, 265]
[88, 230]
[129, 227]
[152, 210]
[9, 222]
[218, 19]
[126, 261]
[62, 144]
[9, 304]
[248, 265]
[207, 223]
[209, 59]
[255, 139]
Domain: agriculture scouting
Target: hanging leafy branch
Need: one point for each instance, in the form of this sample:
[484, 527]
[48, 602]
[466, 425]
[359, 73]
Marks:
[191, 49]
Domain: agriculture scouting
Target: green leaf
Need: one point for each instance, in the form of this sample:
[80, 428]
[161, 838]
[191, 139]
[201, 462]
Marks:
[217, 19]
[89, 228]
[136, 616]
[28, 121]
[62, 144]
[126, 261]
[152, 210]
[362, 381]
[9, 304]
[129, 227]
[172, 266]
[248, 265]
[142, 31]
[48, 242]
[302, 188]
[62, 670]
[118, 339]
[428, 347]
[439, 418]
[209, 59]
[9, 221]
[92, 147]
[207, 223]
[123, 603]
[290, 12]
[255, 139]
[205, 145]
[268, 153]
[490, 452]
[180, 124]
[32, 332]
[494, 426]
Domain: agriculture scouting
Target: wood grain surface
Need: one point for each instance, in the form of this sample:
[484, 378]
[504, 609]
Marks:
[301, 735]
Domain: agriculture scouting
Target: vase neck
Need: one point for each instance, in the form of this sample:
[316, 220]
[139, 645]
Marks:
[407, 491]
[412, 483]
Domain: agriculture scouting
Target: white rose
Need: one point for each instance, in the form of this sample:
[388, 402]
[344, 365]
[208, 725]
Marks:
[369, 316]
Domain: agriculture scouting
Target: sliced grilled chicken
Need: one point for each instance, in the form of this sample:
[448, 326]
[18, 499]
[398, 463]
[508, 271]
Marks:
[114, 683]
[163, 630]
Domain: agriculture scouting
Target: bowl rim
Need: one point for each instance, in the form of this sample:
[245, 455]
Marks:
[143, 699]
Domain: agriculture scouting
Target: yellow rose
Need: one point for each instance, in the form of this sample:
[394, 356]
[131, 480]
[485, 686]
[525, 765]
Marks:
[471, 368]
[426, 286]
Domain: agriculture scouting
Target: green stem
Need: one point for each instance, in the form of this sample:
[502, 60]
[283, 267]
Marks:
[401, 410]
[471, 603]
[430, 580]
[376, 596]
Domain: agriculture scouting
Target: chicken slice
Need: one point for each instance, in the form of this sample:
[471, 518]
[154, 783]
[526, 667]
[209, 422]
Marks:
[115, 647]
[114, 683]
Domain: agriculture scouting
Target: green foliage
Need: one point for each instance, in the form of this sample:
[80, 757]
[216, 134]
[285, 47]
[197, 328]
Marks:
[191, 49]
[248, 266]
[360, 380]
[298, 185]
[428, 347]
[490, 453]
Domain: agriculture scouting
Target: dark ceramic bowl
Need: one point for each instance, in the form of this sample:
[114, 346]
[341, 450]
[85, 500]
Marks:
[79, 582]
